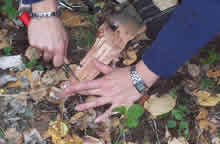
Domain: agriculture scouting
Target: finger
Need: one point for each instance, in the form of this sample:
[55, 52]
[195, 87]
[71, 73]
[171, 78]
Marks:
[98, 102]
[94, 84]
[105, 116]
[103, 67]
[59, 55]
[91, 92]
[47, 56]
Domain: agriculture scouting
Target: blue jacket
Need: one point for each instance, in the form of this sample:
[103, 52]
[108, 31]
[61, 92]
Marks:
[190, 27]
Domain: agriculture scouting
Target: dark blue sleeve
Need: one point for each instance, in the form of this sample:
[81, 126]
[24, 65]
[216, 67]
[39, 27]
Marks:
[190, 27]
[30, 1]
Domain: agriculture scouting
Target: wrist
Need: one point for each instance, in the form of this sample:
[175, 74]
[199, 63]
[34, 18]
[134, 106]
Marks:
[44, 6]
[146, 74]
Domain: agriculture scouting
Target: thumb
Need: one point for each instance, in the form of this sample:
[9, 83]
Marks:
[102, 67]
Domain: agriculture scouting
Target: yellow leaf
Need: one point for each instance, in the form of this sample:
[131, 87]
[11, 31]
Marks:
[205, 124]
[160, 105]
[71, 19]
[213, 73]
[203, 114]
[26, 72]
[206, 99]
[3, 40]
[131, 57]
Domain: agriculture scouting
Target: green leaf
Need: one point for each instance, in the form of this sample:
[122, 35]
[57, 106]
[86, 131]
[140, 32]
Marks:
[117, 142]
[171, 124]
[7, 51]
[183, 125]
[182, 108]
[9, 9]
[173, 93]
[39, 68]
[135, 111]
[178, 115]
[31, 63]
[122, 110]
[131, 123]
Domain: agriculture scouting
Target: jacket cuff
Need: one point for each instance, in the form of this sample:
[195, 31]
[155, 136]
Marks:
[30, 1]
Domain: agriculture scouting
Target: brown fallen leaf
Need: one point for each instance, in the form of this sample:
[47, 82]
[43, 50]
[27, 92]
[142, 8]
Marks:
[203, 114]
[160, 105]
[33, 53]
[3, 40]
[206, 99]
[39, 94]
[131, 57]
[71, 19]
[213, 73]
[27, 74]
[208, 126]
[179, 140]
[12, 135]
[58, 131]
[91, 140]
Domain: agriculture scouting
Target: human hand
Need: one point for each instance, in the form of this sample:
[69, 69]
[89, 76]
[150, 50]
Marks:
[114, 88]
[48, 35]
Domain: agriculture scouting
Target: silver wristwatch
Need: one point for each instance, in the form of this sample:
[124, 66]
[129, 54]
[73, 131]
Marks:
[43, 14]
[137, 81]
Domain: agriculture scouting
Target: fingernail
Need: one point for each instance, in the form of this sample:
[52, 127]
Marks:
[97, 120]
[77, 108]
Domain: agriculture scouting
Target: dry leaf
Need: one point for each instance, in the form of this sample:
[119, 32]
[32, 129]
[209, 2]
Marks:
[131, 58]
[208, 126]
[77, 117]
[36, 79]
[71, 19]
[160, 105]
[179, 140]
[203, 114]
[203, 139]
[12, 135]
[25, 78]
[32, 53]
[165, 4]
[52, 97]
[206, 99]
[213, 73]
[58, 131]
[32, 136]
[3, 40]
[91, 140]
[39, 94]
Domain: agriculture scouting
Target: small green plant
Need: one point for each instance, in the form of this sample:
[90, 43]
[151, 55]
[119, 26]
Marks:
[7, 51]
[2, 134]
[31, 63]
[39, 67]
[178, 116]
[207, 83]
[173, 91]
[213, 56]
[8, 9]
[129, 118]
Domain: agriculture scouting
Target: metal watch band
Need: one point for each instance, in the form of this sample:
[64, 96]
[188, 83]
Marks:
[137, 81]
[43, 14]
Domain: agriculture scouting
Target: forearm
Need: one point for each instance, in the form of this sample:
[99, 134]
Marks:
[44, 6]
[191, 26]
